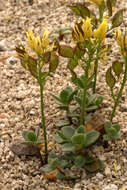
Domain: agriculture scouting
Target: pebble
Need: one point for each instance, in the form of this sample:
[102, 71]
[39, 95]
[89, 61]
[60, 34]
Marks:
[77, 186]
[110, 187]
[99, 176]
[4, 45]
[107, 171]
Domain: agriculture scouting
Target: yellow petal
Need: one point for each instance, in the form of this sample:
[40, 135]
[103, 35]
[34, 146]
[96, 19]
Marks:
[100, 33]
[119, 38]
[96, 2]
[87, 28]
[45, 39]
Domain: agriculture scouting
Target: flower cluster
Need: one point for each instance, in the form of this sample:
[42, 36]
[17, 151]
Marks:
[38, 44]
[83, 31]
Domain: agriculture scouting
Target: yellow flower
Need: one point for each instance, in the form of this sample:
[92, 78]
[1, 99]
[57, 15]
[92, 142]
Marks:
[103, 54]
[31, 39]
[96, 2]
[84, 31]
[78, 33]
[87, 28]
[45, 39]
[119, 38]
[100, 33]
[38, 44]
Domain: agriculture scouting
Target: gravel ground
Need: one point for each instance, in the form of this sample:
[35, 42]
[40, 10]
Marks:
[20, 103]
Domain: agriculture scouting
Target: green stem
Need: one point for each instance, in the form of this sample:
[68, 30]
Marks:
[112, 94]
[120, 91]
[82, 119]
[96, 68]
[41, 83]
[43, 122]
[83, 106]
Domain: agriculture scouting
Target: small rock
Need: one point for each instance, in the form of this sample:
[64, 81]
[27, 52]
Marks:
[110, 187]
[107, 171]
[12, 60]
[99, 176]
[77, 186]
[3, 45]
[22, 149]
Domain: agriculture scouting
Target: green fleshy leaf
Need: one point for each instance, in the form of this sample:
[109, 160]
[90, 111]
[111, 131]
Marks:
[60, 176]
[68, 147]
[89, 160]
[54, 61]
[37, 131]
[80, 10]
[79, 52]
[117, 68]
[63, 163]
[31, 136]
[84, 11]
[79, 139]
[48, 169]
[110, 79]
[24, 134]
[58, 139]
[61, 135]
[46, 57]
[91, 137]
[54, 163]
[117, 19]
[79, 161]
[75, 9]
[63, 107]
[116, 127]
[71, 95]
[109, 6]
[107, 126]
[32, 66]
[62, 123]
[91, 108]
[58, 100]
[68, 132]
[80, 129]
[66, 51]
[64, 95]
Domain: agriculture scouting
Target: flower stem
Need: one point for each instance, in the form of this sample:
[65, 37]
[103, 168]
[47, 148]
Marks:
[84, 91]
[41, 83]
[43, 122]
[96, 68]
[120, 91]
[82, 119]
